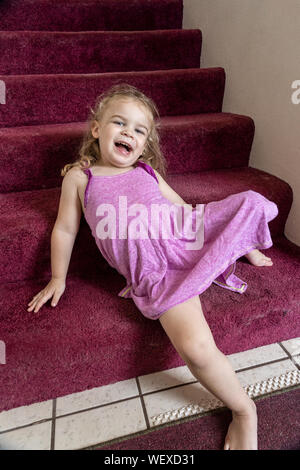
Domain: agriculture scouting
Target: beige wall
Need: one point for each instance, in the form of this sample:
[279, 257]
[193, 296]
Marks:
[258, 44]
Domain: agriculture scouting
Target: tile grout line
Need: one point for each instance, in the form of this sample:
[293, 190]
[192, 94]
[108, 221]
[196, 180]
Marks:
[256, 366]
[52, 442]
[291, 357]
[96, 407]
[24, 426]
[142, 403]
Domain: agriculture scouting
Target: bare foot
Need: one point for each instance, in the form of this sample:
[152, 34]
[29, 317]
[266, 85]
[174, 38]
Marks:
[258, 259]
[242, 432]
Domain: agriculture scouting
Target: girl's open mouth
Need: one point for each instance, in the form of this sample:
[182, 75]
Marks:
[123, 148]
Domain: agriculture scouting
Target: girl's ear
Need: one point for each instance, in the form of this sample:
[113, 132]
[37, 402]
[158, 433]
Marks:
[95, 130]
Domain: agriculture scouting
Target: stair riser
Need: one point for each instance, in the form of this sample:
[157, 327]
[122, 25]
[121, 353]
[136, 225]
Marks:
[90, 15]
[39, 153]
[94, 52]
[46, 99]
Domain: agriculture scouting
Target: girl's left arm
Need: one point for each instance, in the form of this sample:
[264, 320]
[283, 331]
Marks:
[168, 192]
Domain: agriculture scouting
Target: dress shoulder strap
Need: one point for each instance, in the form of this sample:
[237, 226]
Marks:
[149, 169]
[88, 172]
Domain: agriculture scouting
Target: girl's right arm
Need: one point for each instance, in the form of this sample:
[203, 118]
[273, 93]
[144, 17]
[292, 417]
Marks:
[62, 241]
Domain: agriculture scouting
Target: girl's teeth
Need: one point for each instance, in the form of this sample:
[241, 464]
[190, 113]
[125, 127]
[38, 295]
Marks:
[122, 149]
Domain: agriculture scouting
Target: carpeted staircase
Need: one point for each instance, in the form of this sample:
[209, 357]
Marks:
[56, 58]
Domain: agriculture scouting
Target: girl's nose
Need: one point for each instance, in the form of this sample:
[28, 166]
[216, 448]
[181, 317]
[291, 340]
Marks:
[126, 132]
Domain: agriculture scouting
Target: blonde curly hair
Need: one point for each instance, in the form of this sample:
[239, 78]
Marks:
[89, 152]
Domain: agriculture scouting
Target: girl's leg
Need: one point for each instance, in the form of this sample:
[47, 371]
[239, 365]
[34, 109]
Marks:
[191, 336]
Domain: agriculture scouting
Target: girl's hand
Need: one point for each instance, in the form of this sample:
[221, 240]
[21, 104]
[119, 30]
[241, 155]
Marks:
[55, 288]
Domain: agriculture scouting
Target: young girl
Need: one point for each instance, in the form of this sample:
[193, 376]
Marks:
[117, 168]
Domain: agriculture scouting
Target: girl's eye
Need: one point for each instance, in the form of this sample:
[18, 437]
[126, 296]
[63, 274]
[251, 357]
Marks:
[122, 124]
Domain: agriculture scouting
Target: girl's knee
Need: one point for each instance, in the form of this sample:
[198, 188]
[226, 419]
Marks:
[197, 353]
[260, 201]
[189, 332]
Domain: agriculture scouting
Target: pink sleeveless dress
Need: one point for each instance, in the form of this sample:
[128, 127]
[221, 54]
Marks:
[162, 270]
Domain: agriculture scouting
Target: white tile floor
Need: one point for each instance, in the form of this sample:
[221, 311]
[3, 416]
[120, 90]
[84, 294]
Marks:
[96, 416]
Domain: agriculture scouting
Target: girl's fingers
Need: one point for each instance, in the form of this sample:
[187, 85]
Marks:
[55, 300]
[35, 297]
[32, 301]
[33, 304]
[29, 309]
[41, 298]
[39, 302]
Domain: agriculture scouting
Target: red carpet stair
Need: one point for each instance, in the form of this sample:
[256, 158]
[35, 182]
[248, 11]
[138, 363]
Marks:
[57, 59]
